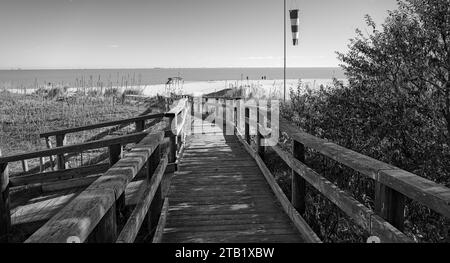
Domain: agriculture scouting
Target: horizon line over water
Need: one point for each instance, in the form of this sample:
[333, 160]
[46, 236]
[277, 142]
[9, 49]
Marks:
[29, 77]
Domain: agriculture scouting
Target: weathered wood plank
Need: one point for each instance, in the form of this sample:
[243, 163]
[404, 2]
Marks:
[83, 213]
[102, 125]
[390, 205]
[58, 175]
[105, 231]
[360, 214]
[433, 195]
[5, 217]
[97, 136]
[75, 148]
[249, 236]
[298, 184]
[60, 162]
[131, 228]
[161, 223]
[296, 218]
[236, 176]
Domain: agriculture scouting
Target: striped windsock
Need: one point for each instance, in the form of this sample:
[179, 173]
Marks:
[295, 20]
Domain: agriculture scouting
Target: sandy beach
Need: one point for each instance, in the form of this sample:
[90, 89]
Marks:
[269, 88]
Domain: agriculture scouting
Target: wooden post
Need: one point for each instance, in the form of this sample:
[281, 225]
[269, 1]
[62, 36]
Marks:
[115, 152]
[106, 229]
[259, 139]
[224, 116]
[49, 146]
[173, 149]
[5, 213]
[140, 125]
[390, 205]
[216, 111]
[156, 205]
[192, 105]
[247, 125]
[298, 185]
[235, 119]
[173, 141]
[60, 157]
[41, 164]
[25, 165]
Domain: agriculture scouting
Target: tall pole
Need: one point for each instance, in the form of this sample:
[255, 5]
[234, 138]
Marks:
[284, 69]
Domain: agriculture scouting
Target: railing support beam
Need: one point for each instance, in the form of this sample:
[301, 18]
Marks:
[247, 125]
[5, 213]
[115, 152]
[259, 139]
[173, 140]
[60, 157]
[298, 184]
[156, 205]
[106, 229]
[390, 205]
[140, 125]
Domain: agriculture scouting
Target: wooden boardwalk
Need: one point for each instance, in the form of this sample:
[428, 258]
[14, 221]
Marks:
[220, 195]
[192, 183]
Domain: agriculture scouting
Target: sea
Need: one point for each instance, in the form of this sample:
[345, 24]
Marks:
[24, 78]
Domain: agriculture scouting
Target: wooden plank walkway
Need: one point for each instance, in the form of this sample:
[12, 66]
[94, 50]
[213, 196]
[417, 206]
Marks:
[34, 212]
[220, 195]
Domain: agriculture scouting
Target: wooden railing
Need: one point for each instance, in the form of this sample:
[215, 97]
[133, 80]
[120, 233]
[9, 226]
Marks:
[179, 121]
[113, 179]
[91, 216]
[61, 134]
[392, 184]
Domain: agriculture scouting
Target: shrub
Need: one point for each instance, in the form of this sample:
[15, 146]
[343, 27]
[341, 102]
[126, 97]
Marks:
[396, 107]
[112, 92]
[133, 91]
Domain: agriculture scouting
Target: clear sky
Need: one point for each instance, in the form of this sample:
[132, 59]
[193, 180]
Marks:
[176, 33]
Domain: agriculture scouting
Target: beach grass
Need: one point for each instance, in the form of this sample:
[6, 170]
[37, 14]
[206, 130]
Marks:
[24, 117]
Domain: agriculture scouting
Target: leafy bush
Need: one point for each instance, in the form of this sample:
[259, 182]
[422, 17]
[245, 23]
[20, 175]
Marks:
[396, 108]
[51, 93]
[132, 91]
[112, 92]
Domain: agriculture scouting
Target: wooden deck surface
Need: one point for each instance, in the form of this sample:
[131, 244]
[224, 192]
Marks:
[220, 195]
[34, 212]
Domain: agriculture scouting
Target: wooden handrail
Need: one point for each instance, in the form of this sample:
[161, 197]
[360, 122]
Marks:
[54, 176]
[429, 193]
[105, 193]
[306, 231]
[392, 182]
[360, 214]
[101, 125]
[180, 105]
[134, 222]
[92, 214]
[124, 139]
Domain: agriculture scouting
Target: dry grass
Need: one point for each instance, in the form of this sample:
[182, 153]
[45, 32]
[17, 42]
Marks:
[24, 117]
